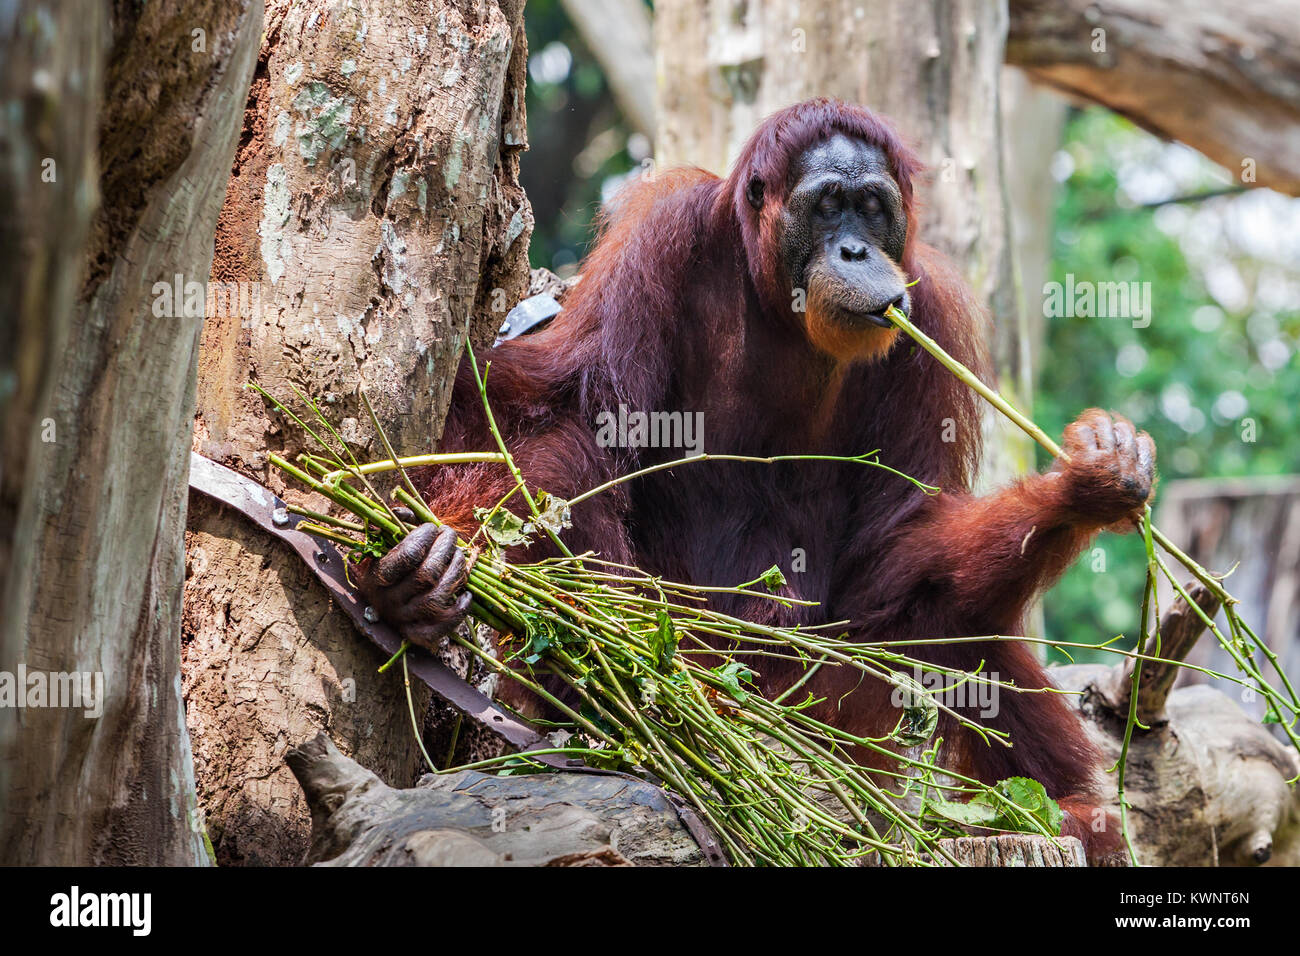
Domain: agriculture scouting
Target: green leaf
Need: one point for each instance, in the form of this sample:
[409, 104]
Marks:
[594, 716]
[1031, 796]
[920, 712]
[542, 634]
[986, 810]
[372, 548]
[663, 642]
[503, 526]
[773, 579]
[731, 674]
[972, 814]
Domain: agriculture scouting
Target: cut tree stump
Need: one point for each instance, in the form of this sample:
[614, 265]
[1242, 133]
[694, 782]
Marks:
[1016, 849]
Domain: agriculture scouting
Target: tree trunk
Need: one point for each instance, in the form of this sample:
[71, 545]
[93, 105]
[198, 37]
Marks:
[95, 576]
[1220, 79]
[48, 168]
[1033, 122]
[44, 221]
[1033, 125]
[373, 218]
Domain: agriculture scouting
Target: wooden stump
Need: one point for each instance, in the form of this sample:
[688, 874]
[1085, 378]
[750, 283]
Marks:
[1016, 849]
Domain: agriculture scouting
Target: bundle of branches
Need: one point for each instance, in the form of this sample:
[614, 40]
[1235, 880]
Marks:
[664, 684]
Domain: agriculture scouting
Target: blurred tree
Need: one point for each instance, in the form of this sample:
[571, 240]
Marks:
[1221, 79]
[579, 143]
[619, 34]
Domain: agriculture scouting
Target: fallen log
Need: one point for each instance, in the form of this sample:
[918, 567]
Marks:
[474, 819]
[1206, 785]
[1205, 781]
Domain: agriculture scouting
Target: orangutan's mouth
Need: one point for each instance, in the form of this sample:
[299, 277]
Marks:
[855, 318]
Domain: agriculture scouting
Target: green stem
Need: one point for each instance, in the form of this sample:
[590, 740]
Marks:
[414, 461]
[863, 459]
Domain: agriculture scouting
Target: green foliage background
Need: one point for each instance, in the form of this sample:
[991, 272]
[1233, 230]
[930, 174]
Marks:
[1178, 370]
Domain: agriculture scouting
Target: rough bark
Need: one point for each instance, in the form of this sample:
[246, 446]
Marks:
[472, 819]
[95, 580]
[544, 819]
[1205, 781]
[1222, 79]
[1016, 850]
[48, 126]
[374, 214]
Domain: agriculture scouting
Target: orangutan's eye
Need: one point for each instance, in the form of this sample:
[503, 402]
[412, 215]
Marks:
[831, 201]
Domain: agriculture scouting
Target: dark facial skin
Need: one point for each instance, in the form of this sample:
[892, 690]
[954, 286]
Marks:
[844, 231]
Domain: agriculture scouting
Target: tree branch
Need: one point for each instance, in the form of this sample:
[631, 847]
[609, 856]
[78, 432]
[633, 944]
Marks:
[1222, 80]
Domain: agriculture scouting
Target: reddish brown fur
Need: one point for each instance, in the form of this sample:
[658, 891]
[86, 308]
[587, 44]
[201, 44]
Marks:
[684, 305]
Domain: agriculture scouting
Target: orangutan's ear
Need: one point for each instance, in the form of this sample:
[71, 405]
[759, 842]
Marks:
[754, 192]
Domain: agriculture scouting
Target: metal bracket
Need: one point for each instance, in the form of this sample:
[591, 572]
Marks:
[528, 316]
[271, 514]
